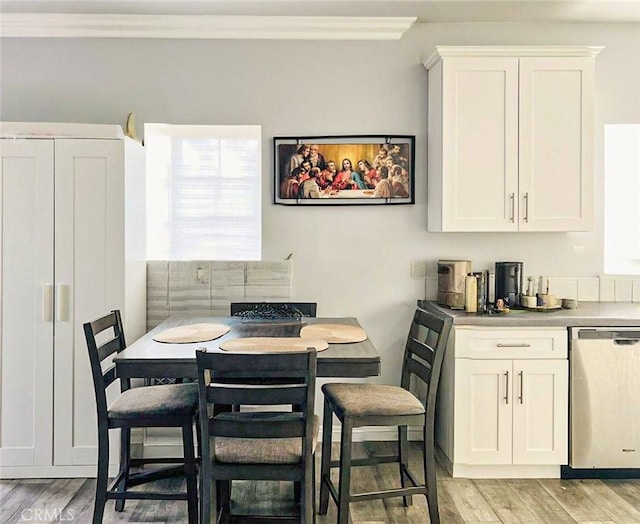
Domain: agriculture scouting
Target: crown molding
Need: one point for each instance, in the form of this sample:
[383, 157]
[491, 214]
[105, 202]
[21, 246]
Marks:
[515, 50]
[67, 25]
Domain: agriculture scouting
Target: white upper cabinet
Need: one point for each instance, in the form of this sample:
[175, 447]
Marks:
[510, 138]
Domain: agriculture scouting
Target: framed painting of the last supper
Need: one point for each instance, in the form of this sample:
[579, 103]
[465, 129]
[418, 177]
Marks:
[358, 169]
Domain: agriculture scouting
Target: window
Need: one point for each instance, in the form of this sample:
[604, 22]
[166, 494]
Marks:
[621, 198]
[203, 192]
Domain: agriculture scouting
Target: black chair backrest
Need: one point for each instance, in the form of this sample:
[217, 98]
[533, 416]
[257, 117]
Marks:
[257, 379]
[273, 309]
[108, 328]
[424, 352]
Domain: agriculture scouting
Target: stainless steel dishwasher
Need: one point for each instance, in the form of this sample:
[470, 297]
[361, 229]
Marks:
[605, 398]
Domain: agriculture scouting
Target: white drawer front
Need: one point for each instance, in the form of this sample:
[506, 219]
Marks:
[511, 343]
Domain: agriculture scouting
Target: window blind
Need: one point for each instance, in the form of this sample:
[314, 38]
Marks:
[203, 192]
[621, 196]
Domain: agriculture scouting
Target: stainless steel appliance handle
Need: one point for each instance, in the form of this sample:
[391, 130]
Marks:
[514, 345]
[610, 334]
[521, 398]
[512, 197]
[526, 207]
[506, 387]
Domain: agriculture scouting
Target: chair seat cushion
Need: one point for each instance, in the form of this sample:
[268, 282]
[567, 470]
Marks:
[365, 400]
[172, 400]
[262, 450]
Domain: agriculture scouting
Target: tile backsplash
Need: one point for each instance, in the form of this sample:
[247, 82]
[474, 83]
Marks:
[206, 287]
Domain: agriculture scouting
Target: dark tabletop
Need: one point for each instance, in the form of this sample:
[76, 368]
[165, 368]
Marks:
[146, 358]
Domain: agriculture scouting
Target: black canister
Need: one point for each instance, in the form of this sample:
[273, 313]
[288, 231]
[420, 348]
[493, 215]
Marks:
[509, 282]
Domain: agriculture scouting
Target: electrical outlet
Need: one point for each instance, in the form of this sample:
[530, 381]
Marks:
[202, 276]
[419, 268]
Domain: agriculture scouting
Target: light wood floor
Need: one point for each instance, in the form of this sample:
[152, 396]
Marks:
[461, 500]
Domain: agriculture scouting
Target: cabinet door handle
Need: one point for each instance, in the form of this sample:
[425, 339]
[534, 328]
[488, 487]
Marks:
[512, 197]
[47, 303]
[526, 207]
[521, 398]
[62, 303]
[514, 345]
[506, 387]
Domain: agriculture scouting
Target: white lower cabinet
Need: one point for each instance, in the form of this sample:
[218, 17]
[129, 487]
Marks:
[505, 417]
[72, 218]
[511, 411]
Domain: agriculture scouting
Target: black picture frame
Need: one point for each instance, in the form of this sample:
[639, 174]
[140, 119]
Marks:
[381, 170]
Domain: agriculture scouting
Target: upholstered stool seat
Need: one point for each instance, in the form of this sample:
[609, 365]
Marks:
[155, 402]
[262, 451]
[365, 400]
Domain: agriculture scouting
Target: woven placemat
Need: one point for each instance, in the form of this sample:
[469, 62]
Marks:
[334, 333]
[275, 344]
[192, 333]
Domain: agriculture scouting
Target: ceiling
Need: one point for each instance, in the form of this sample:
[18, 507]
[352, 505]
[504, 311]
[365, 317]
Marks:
[424, 10]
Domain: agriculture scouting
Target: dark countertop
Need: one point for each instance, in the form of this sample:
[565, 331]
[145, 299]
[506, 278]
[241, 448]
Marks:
[588, 314]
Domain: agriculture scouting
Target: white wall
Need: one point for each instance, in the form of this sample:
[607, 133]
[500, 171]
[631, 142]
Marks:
[352, 260]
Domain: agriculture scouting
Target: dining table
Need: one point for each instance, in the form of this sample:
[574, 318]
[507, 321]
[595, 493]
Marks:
[148, 358]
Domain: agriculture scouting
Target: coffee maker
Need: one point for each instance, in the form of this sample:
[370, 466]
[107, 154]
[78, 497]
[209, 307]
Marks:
[509, 282]
[451, 282]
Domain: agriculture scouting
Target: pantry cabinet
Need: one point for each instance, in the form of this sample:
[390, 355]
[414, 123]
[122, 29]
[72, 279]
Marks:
[503, 408]
[72, 235]
[510, 138]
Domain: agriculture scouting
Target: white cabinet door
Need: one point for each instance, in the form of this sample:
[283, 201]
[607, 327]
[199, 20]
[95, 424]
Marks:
[556, 144]
[89, 255]
[540, 412]
[483, 412]
[511, 139]
[511, 412]
[26, 336]
[480, 144]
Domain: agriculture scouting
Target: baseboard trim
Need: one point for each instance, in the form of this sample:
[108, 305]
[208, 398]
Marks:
[507, 471]
[443, 460]
[52, 472]
[155, 447]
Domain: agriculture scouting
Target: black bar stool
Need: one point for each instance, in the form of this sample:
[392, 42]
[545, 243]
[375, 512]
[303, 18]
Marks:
[359, 404]
[174, 405]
